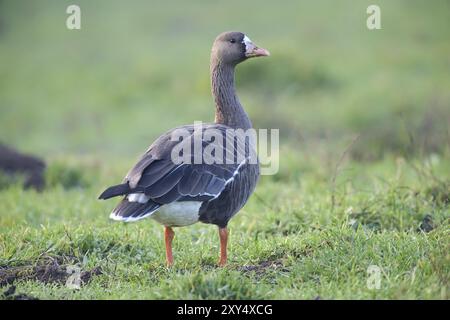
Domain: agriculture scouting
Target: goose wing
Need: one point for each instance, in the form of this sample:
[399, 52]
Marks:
[157, 180]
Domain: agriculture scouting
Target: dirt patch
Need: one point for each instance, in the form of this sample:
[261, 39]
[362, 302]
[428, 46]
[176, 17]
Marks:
[47, 271]
[277, 262]
[10, 294]
[13, 162]
[427, 224]
[264, 266]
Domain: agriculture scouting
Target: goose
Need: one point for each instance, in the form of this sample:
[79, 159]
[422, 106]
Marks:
[183, 192]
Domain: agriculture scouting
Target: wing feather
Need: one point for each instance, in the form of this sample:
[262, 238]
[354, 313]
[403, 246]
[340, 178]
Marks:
[163, 181]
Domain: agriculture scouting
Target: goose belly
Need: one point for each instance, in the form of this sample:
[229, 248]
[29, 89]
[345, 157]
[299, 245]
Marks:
[178, 214]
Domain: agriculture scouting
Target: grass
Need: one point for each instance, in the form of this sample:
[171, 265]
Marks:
[288, 242]
[91, 101]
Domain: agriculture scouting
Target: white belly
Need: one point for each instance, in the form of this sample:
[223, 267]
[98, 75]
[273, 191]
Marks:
[178, 214]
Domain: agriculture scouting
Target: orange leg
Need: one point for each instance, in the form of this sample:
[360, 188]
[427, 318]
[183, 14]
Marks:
[223, 235]
[168, 237]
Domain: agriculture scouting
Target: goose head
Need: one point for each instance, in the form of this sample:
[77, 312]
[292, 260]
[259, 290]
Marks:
[234, 47]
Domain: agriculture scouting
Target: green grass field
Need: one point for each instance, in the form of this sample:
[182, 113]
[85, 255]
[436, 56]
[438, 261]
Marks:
[364, 161]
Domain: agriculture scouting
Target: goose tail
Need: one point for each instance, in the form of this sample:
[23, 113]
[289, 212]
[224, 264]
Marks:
[132, 211]
[115, 191]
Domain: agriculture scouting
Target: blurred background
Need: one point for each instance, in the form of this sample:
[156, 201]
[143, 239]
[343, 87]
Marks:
[138, 68]
[364, 160]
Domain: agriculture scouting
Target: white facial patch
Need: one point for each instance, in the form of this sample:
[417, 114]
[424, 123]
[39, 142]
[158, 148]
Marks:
[248, 43]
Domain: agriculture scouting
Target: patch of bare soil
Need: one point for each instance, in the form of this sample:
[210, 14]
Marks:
[276, 262]
[10, 294]
[264, 266]
[14, 162]
[427, 224]
[45, 271]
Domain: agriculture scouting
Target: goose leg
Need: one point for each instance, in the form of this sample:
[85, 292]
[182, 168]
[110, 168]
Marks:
[223, 235]
[168, 237]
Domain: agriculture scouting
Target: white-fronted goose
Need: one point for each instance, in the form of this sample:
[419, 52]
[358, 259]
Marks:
[182, 193]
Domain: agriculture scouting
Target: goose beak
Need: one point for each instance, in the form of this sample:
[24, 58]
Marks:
[257, 52]
[252, 50]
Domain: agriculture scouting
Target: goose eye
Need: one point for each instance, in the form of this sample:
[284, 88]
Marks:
[232, 40]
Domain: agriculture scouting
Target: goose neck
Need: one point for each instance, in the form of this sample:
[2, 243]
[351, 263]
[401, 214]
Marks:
[229, 110]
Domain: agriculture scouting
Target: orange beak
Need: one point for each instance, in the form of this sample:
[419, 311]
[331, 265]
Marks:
[252, 50]
[257, 52]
